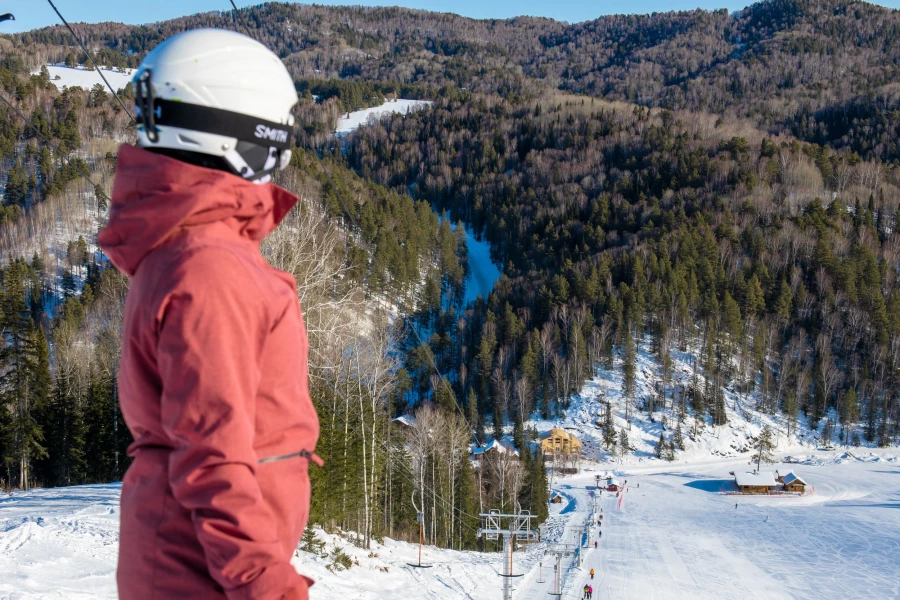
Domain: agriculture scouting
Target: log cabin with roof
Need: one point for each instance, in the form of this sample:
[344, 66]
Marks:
[792, 482]
[756, 483]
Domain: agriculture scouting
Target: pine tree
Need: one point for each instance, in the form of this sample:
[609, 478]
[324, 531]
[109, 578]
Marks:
[679, 437]
[474, 418]
[670, 451]
[624, 445]
[23, 381]
[764, 447]
[609, 430]
[629, 370]
[660, 446]
[791, 409]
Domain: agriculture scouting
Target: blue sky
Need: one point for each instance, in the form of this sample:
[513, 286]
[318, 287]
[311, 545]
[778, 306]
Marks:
[31, 14]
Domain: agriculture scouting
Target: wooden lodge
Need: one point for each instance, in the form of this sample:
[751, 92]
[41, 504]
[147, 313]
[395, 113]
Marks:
[756, 483]
[792, 482]
[558, 442]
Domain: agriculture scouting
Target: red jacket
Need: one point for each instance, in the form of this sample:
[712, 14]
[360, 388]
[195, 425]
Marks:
[212, 382]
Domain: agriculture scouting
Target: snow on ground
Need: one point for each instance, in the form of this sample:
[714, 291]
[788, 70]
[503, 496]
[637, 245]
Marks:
[483, 273]
[81, 77]
[354, 120]
[585, 414]
[675, 536]
[62, 543]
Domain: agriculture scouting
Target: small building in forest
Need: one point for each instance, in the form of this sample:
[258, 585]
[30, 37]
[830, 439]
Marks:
[756, 483]
[479, 453]
[792, 482]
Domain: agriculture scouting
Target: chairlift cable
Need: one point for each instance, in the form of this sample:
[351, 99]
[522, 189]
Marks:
[241, 18]
[90, 58]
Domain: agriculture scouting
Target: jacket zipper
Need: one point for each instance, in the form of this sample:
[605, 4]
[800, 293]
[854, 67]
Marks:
[310, 456]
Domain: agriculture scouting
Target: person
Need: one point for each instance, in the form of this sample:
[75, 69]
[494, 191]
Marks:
[595, 544]
[213, 380]
[585, 590]
[590, 592]
[592, 573]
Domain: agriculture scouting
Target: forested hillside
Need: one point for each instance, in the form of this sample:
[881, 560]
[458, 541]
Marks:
[824, 71]
[723, 184]
[772, 260]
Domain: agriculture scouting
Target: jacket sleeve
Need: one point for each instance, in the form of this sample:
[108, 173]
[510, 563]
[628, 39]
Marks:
[211, 332]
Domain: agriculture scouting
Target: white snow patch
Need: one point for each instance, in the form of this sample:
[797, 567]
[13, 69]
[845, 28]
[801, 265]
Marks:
[483, 273]
[85, 79]
[356, 119]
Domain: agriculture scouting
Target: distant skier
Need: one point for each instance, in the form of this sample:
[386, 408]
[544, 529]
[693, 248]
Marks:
[595, 547]
[586, 591]
[592, 573]
[735, 506]
[590, 592]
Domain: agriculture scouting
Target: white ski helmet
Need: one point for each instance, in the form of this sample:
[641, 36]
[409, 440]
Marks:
[219, 99]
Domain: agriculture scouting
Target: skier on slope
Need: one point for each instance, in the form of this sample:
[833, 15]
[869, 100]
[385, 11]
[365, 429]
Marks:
[586, 591]
[213, 378]
[592, 573]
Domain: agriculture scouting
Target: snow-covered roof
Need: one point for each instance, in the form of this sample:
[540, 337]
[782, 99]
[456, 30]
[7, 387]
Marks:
[408, 420]
[612, 481]
[500, 446]
[791, 477]
[764, 478]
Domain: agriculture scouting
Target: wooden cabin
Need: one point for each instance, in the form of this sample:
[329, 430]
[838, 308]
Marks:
[756, 483]
[559, 442]
[556, 499]
[792, 482]
[479, 453]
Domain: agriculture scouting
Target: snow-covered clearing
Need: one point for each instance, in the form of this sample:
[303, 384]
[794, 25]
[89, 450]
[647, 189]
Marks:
[585, 414]
[354, 120]
[674, 537]
[81, 77]
[677, 537]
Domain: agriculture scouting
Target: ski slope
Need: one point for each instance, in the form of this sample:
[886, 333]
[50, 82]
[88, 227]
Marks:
[356, 119]
[62, 76]
[675, 537]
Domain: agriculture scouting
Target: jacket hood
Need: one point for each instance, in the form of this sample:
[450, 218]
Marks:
[155, 196]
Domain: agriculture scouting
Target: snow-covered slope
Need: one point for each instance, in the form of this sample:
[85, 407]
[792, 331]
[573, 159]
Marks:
[62, 543]
[585, 414]
[673, 536]
[482, 272]
[63, 76]
[354, 120]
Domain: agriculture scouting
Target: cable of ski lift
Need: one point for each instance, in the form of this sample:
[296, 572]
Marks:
[241, 18]
[90, 58]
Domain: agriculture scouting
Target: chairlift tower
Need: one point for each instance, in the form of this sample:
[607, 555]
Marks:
[559, 552]
[517, 527]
